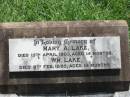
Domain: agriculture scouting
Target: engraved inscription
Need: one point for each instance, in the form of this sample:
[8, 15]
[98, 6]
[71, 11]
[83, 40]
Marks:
[69, 53]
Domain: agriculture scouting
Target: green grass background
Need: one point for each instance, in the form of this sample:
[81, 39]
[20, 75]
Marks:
[42, 10]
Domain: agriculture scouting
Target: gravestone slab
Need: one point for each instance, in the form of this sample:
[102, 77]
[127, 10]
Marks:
[116, 77]
[59, 54]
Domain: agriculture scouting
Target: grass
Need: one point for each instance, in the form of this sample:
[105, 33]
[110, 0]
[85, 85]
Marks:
[42, 10]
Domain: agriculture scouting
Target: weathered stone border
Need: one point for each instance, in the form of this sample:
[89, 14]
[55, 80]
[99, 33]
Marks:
[66, 29]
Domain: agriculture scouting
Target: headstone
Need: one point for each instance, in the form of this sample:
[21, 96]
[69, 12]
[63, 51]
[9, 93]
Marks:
[59, 57]
[59, 54]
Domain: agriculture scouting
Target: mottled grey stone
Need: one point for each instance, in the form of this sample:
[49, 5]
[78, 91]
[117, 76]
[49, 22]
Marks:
[28, 54]
[64, 29]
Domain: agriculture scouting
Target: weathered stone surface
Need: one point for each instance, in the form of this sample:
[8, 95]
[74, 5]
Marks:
[116, 94]
[65, 29]
[60, 54]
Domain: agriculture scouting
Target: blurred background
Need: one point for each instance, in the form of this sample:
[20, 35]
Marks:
[42, 10]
